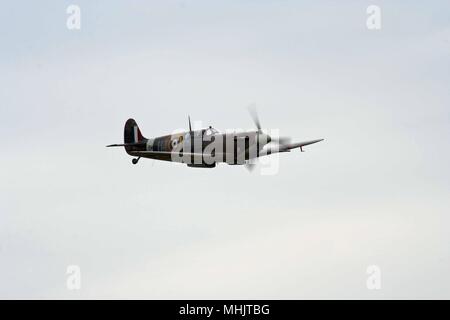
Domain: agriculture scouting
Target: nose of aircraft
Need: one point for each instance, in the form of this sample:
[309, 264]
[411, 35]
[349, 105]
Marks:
[264, 138]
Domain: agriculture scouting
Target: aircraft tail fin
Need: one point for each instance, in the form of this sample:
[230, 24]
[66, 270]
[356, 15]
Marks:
[132, 137]
[132, 133]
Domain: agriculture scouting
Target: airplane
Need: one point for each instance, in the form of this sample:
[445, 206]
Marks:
[207, 147]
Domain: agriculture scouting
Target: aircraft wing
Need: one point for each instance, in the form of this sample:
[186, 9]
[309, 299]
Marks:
[176, 156]
[287, 147]
[181, 153]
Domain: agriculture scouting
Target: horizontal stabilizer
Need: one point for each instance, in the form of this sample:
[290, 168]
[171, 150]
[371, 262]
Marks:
[131, 144]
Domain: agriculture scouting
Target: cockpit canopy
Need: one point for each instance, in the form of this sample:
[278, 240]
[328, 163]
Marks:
[210, 131]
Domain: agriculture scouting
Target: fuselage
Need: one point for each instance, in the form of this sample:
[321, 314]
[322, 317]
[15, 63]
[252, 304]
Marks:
[204, 147]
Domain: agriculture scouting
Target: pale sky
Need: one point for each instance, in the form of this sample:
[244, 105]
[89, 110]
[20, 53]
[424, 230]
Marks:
[375, 192]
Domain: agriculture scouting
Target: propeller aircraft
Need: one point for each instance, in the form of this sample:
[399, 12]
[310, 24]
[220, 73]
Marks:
[207, 147]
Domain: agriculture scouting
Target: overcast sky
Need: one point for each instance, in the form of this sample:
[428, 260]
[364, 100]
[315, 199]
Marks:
[375, 192]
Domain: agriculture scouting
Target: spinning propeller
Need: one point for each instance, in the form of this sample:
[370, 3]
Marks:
[251, 164]
[255, 118]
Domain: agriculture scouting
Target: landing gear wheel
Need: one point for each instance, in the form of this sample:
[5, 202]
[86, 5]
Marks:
[135, 160]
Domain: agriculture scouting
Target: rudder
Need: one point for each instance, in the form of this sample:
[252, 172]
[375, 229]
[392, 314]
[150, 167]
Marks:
[132, 133]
